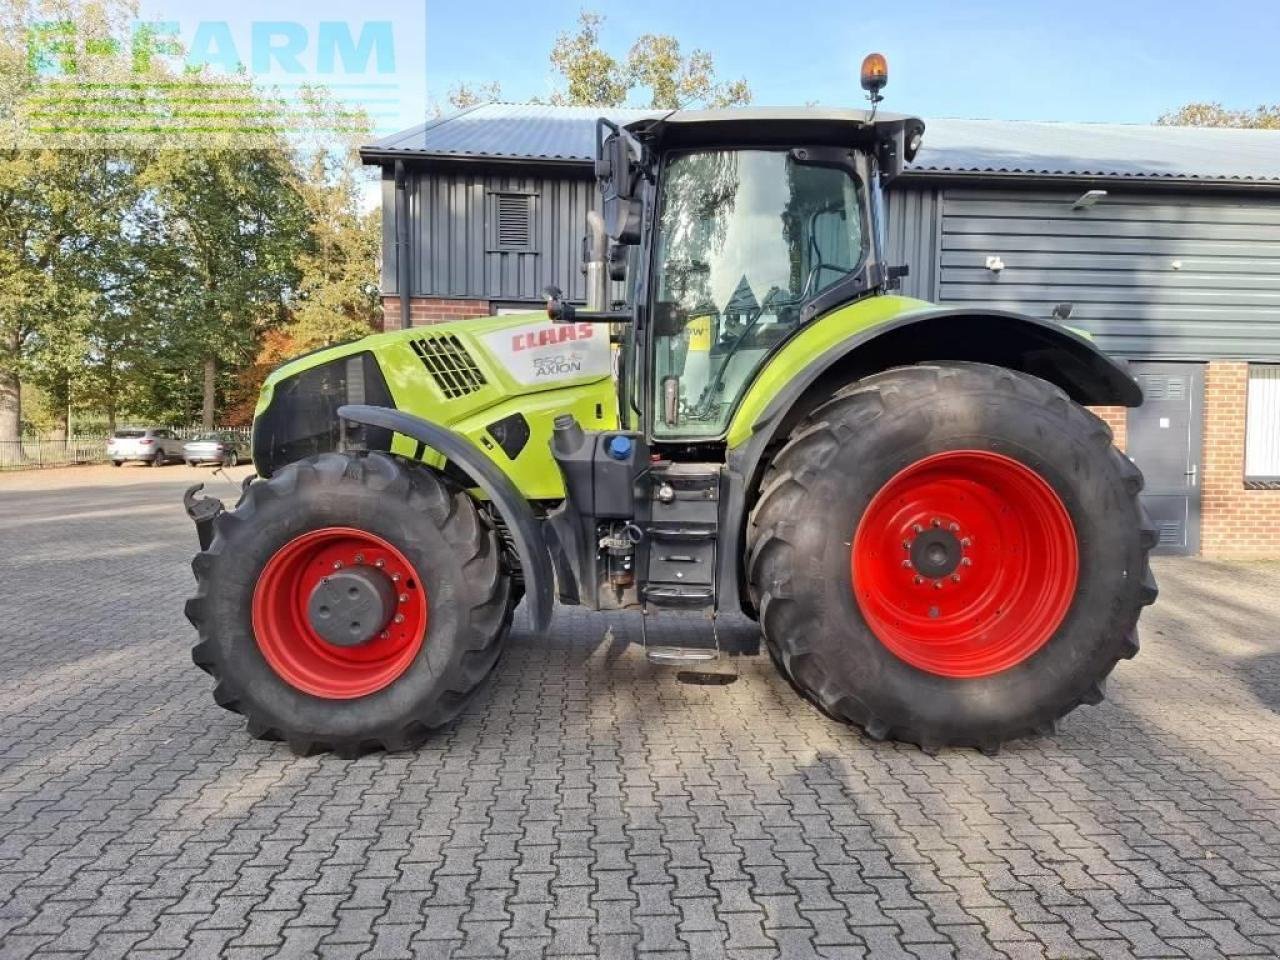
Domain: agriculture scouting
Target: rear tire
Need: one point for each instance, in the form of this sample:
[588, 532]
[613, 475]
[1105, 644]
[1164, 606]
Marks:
[892, 670]
[435, 527]
[117, 463]
[158, 459]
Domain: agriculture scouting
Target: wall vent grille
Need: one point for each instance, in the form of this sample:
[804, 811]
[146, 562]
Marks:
[450, 365]
[515, 220]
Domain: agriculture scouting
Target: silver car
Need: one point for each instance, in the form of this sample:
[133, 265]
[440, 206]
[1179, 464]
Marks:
[212, 448]
[154, 446]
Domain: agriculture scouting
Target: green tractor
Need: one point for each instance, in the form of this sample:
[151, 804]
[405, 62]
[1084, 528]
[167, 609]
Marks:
[941, 545]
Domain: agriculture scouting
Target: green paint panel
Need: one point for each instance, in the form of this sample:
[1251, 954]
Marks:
[810, 343]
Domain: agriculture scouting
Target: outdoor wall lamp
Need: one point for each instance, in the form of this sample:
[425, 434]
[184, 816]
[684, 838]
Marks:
[1088, 199]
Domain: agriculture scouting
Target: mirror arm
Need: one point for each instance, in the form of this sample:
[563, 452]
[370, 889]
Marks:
[560, 312]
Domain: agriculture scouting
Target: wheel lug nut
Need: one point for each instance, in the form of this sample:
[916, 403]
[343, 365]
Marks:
[379, 563]
[954, 528]
[385, 635]
[967, 561]
[395, 577]
[359, 558]
[955, 578]
[399, 618]
[917, 528]
[919, 579]
[906, 564]
[337, 564]
[966, 542]
[937, 584]
[404, 598]
[935, 522]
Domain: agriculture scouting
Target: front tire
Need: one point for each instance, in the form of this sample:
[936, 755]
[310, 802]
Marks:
[389, 520]
[951, 554]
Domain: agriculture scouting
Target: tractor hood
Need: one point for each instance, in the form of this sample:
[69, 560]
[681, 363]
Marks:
[498, 381]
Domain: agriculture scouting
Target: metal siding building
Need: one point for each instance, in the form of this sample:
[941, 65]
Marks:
[1176, 267]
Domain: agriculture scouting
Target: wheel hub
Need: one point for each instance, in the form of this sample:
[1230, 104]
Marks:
[936, 553]
[352, 606]
[339, 613]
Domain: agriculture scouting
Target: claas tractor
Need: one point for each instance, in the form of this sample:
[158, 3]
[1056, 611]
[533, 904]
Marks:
[940, 543]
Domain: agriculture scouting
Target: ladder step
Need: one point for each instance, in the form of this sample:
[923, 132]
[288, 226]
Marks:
[679, 656]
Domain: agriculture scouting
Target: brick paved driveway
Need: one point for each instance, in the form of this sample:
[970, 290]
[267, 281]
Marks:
[590, 805]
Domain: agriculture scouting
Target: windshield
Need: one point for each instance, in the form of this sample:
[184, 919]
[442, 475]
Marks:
[745, 239]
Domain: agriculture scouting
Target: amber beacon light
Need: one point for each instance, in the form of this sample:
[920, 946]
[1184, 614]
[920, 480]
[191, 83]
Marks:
[875, 74]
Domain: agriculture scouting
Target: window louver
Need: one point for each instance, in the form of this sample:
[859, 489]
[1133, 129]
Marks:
[515, 224]
[449, 363]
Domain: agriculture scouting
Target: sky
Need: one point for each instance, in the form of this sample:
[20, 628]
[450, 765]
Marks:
[1124, 61]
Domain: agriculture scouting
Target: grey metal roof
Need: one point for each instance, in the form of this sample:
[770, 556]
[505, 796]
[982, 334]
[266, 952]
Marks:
[532, 132]
[1099, 150]
[509, 131]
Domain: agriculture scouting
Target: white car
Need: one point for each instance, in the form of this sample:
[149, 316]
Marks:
[154, 446]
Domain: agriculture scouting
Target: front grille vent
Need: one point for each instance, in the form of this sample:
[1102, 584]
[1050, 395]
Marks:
[449, 363]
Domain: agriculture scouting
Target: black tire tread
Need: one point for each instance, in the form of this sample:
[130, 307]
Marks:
[451, 510]
[807, 451]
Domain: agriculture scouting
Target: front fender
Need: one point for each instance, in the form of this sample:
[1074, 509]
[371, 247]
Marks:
[535, 563]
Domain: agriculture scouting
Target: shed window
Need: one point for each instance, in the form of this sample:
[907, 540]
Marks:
[511, 222]
[1262, 424]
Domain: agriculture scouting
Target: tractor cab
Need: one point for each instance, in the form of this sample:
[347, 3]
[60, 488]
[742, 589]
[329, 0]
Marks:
[748, 224]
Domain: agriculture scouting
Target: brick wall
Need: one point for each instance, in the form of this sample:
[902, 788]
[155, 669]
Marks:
[1234, 521]
[1117, 418]
[424, 311]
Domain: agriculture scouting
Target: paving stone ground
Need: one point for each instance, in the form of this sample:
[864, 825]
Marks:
[590, 805]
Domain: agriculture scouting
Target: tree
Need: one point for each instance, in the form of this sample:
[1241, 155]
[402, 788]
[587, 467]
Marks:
[231, 223]
[57, 199]
[1203, 114]
[594, 77]
[463, 95]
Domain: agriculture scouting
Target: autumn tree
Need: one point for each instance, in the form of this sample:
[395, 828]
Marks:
[654, 63]
[1204, 114]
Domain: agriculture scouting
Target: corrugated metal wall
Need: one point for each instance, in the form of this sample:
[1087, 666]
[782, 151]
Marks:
[455, 247]
[1157, 276]
[912, 237]
[1153, 276]
[454, 256]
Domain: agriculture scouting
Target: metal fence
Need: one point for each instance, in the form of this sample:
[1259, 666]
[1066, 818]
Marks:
[32, 453]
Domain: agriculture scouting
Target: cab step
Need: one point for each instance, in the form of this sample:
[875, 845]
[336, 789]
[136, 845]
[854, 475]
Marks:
[680, 656]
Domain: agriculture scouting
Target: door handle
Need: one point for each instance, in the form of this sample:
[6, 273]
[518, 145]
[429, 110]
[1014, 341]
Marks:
[1195, 467]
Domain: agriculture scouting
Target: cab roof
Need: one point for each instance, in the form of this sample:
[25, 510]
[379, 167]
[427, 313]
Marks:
[836, 126]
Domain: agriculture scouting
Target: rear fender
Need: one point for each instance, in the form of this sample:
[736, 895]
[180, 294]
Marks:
[535, 562]
[1042, 348]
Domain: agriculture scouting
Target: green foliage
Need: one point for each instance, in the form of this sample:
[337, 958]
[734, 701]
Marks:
[131, 263]
[1201, 114]
[594, 77]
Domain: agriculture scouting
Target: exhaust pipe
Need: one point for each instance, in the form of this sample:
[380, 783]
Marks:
[596, 263]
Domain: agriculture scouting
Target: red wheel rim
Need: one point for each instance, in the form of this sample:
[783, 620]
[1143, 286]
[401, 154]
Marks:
[965, 563]
[303, 658]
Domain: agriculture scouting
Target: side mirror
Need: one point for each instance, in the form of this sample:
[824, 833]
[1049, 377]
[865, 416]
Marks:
[618, 169]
